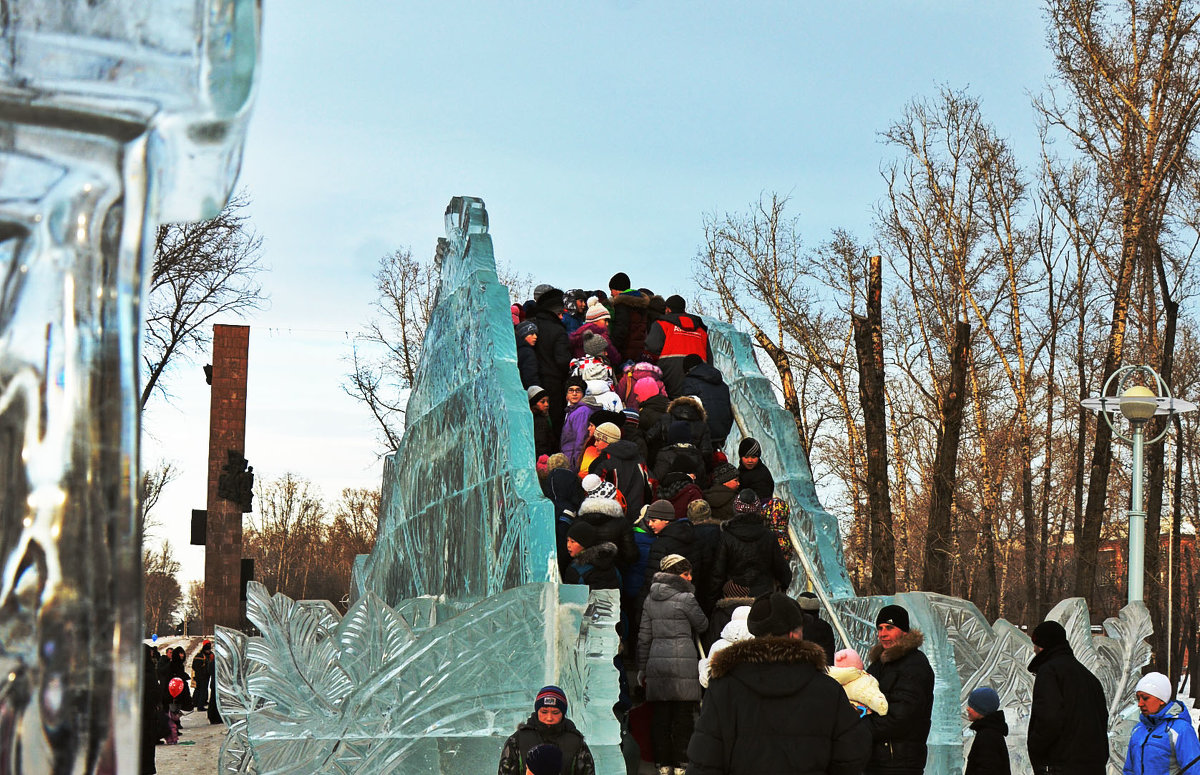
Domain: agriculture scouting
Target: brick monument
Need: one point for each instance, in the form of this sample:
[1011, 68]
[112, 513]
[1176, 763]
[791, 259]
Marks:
[226, 432]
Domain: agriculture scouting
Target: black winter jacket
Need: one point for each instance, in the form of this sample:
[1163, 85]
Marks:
[577, 757]
[630, 324]
[688, 410]
[553, 354]
[650, 412]
[706, 383]
[594, 567]
[1068, 725]
[758, 479]
[708, 538]
[678, 537]
[770, 708]
[906, 679]
[545, 440]
[749, 555]
[989, 752]
[621, 463]
[611, 525]
[527, 364]
[818, 631]
[683, 458]
[721, 498]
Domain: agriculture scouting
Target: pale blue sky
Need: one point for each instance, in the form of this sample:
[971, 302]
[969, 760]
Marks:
[598, 134]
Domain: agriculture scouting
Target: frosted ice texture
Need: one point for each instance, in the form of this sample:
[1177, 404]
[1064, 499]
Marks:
[463, 514]
[375, 692]
[114, 114]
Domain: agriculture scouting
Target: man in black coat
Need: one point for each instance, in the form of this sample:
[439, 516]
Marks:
[1068, 726]
[630, 319]
[816, 629]
[672, 536]
[706, 383]
[771, 707]
[748, 554]
[553, 353]
[906, 679]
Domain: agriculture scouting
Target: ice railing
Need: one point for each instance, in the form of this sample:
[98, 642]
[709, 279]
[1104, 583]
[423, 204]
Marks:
[458, 618]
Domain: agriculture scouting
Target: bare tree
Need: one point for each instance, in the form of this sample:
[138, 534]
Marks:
[407, 293]
[286, 534]
[154, 481]
[162, 592]
[201, 271]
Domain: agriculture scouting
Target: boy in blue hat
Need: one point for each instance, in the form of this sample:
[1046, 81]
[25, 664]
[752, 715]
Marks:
[548, 724]
[989, 752]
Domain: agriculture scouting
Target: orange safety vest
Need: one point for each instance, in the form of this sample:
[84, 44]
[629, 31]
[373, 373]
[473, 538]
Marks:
[687, 338]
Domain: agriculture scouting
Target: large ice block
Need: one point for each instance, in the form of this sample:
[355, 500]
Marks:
[114, 115]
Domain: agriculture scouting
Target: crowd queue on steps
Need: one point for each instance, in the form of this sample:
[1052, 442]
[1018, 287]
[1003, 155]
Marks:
[630, 421]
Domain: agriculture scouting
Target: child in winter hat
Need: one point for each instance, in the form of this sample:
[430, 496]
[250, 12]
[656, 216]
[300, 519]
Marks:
[861, 687]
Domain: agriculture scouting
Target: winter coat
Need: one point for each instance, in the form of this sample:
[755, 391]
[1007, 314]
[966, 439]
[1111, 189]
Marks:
[595, 567]
[708, 536]
[749, 555]
[706, 383]
[572, 321]
[770, 708]
[553, 354]
[175, 669]
[527, 364]
[607, 516]
[989, 752]
[776, 514]
[678, 537]
[1163, 742]
[621, 464]
[630, 324]
[666, 651]
[688, 410]
[758, 479]
[671, 338]
[735, 630]
[576, 342]
[651, 411]
[577, 759]
[818, 631]
[720, 498]
[563, 489]
[545, 440]
[1068, 724]
[574, 436]
[631, 432]
[861, 687]
[683, 458]
[635, 576]
[906, 679]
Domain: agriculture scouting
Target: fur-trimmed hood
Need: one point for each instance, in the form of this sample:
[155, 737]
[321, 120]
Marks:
[602, 555]
[771, 650]
[909, 642]
[600, 510]
[634, 299]
[687, 408]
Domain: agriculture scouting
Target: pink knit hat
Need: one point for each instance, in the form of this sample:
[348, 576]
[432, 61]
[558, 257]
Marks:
[847, 658]
[645, 389]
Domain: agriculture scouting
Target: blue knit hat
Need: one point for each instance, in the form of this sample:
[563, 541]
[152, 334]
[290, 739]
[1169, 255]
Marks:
[551, 697]
[544, 759]
[983, 700]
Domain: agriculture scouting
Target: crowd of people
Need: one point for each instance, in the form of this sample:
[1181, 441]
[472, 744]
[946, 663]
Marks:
[630, 422]
[168, 692]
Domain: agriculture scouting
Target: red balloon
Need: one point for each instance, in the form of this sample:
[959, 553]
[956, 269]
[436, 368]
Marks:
[175, 686]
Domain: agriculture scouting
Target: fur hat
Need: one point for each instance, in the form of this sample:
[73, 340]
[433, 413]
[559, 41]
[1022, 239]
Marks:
[607, 507]
[894, 615]
[983, 700]
[660, 509]
[525, 328]
[749, 448]
[544, 759]
[536, 393]
[607, 432]
[808, 601]
[699, 510]
[774, 614]
[619, 282]
[596, 311]
[551, 697]
[847, 658]
[583, 533]
[593, 343]
[723, 473]
[550, 299]
[675, 563]
[1048, 633]
[1154, 684]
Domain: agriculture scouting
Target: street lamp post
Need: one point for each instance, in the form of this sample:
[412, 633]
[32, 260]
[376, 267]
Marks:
[1137, 403]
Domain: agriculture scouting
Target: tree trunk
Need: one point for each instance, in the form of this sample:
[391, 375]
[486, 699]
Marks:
[868, 344]
[938, 535]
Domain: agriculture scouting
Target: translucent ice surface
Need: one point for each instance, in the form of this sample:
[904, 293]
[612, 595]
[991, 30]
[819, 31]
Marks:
[114, 116]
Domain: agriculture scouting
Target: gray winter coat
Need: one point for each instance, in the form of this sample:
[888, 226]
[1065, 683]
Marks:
[671, 619]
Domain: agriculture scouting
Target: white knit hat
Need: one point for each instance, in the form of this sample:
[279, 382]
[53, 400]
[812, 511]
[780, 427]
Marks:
[1156, 685]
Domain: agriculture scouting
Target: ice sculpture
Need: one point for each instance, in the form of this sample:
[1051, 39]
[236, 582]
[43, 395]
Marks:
[114, 115]
[458, 617]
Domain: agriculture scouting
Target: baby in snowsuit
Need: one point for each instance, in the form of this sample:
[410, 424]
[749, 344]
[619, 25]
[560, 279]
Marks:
[861, 687]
